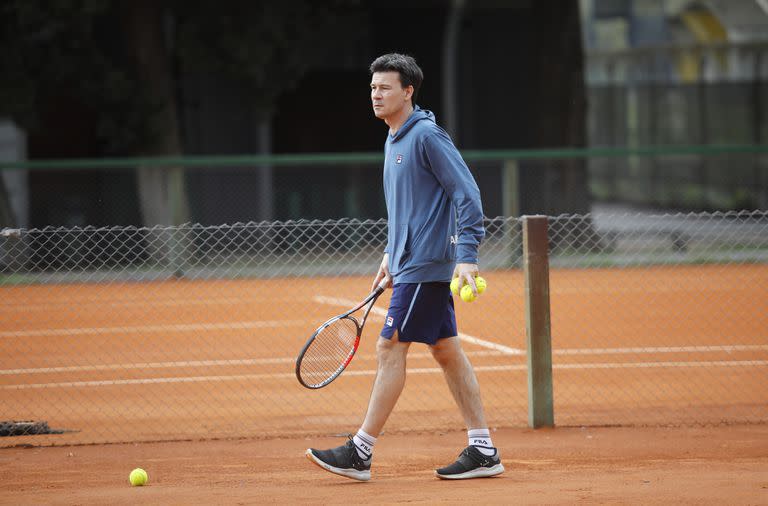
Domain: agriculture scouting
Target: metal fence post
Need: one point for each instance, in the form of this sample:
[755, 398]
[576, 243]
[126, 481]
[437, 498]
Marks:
[537, 321]
[510, 202]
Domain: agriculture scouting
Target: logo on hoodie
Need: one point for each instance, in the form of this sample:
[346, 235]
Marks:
[399, 159]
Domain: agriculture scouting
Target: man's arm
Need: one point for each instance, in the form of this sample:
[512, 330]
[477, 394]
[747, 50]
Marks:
[454, 176]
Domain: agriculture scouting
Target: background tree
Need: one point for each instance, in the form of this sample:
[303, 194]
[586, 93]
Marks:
[558, 92]
[558, 186]
[122, 61]
[263, 47]
[127, 64]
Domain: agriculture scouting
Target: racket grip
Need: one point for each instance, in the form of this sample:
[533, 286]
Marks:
[383, 283]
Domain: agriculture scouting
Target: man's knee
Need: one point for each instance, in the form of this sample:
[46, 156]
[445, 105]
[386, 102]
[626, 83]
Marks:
[445, 352]
[390, 349]
[383, 346]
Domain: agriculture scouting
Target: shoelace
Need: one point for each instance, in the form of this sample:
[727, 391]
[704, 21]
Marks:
[477, 457]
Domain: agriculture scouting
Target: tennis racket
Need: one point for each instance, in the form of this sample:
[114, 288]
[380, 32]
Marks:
[330, 349]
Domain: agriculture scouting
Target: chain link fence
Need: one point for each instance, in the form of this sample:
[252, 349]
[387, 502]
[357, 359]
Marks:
[137, 334]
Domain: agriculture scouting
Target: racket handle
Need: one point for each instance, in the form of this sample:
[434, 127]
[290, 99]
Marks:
[383, 283]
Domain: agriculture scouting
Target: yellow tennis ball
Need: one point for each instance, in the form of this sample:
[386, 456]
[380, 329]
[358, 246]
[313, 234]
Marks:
[138, 477]
[455, 286]
[480, 284]
[466, 293]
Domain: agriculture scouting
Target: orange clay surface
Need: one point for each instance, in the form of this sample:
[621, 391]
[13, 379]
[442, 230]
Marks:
[190, 361]
[642, 466]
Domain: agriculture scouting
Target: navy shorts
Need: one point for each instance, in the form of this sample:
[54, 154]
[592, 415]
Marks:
[420, 312]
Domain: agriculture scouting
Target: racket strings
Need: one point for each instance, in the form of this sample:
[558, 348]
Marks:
[329, 351]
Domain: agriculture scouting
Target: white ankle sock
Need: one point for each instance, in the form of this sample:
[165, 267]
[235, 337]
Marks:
[481, 439]
[364, 444]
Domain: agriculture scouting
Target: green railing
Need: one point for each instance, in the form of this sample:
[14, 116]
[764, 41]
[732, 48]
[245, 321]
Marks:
[213, 190]
[277, 160]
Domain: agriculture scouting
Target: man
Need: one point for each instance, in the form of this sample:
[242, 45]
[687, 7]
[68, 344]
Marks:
[435, 225]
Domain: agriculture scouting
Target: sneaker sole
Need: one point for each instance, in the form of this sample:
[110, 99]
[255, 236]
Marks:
[347, 473]
[483, 472]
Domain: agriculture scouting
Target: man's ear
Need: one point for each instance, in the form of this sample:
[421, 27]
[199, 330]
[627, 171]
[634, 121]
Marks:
[408, 92]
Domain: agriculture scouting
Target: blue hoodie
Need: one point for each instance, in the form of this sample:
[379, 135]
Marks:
[435, 216]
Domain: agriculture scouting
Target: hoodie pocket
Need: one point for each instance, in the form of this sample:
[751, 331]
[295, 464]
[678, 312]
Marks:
[431, 245]
[436, 250]
[400, 251]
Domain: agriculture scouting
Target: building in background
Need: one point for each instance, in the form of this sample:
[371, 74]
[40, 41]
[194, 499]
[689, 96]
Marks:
[680, 73]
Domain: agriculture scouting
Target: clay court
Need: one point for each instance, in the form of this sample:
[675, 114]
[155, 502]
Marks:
[723, 465]
[660, 383]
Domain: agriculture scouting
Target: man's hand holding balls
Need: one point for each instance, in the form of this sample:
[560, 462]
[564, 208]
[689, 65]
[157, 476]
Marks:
[465, 292]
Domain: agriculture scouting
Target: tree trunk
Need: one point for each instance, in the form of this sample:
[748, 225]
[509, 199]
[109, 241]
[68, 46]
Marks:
[266, 184]
[162, 190]
[559, 186]
[6, 216]
[559, 95]
[450, 59]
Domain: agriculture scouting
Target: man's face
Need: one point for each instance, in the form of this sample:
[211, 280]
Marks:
[388, 96]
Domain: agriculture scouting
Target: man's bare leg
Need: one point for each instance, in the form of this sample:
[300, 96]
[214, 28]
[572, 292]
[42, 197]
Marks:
[461, 379]
[480, 459]
[353, 459]
[388, 385]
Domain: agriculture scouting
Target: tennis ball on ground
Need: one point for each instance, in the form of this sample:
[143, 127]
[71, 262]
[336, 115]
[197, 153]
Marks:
[466, 293]
[138, 477]
[455, 286]
[480, 284]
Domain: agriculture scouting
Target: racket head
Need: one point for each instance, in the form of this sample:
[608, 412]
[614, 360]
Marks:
[328, 351]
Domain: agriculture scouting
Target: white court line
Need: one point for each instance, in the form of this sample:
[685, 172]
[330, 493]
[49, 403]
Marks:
[289, 360]
[196, 363]
[644, 365]
[148, 365]
[171, 327]
[661, 349]
[464, 337]
[370, 372]
[599, 365]
[53, 305]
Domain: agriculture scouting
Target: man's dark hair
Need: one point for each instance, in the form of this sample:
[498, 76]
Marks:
[410, 73]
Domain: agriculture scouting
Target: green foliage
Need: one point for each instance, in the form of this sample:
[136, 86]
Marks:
[266, 45]
[79, 49]
[68, 48]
